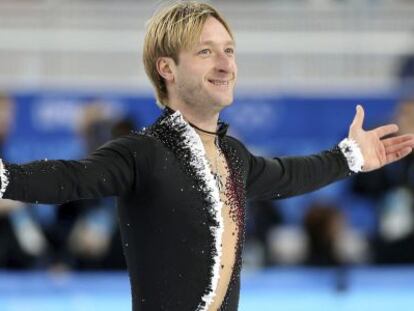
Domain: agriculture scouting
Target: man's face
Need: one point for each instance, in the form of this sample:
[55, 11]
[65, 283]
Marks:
[206, 74]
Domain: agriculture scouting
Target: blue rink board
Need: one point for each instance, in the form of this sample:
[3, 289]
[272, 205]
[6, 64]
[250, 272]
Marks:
[276, 289]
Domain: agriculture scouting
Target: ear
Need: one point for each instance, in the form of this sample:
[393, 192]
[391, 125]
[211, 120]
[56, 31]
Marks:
[165, 68]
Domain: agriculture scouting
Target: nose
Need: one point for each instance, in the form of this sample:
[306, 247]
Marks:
[224, 62]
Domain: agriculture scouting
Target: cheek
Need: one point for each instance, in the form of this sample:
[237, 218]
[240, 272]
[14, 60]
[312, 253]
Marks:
[190, 75]
[235, 68]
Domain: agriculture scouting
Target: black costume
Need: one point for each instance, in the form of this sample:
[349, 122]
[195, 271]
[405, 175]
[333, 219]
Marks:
[168, 203]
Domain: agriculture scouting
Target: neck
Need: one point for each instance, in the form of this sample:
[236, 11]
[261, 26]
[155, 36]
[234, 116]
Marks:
[209, 140]
[203, 119]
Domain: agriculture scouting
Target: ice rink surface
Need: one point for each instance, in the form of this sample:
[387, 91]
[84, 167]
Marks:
[298, 289]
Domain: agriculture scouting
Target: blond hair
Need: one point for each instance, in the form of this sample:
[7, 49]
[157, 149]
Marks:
[173, 28]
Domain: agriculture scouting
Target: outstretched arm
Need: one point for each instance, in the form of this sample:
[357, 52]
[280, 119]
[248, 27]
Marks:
[108, 171]
[362, 151]
[283, 177]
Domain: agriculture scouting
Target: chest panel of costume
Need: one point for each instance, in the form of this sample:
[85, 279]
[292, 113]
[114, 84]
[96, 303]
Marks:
[181, 214]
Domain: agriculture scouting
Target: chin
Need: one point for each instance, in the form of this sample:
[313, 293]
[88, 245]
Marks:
[221, 104]
[223, 101]
[228, 103]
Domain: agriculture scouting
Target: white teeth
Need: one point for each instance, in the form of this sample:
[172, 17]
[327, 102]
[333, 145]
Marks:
[219, 82]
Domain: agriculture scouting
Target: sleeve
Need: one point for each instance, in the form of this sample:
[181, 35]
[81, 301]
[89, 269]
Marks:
[288, 176]
[109, 171]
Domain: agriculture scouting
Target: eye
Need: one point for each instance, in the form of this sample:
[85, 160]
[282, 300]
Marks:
[229, 51]
[204, 52]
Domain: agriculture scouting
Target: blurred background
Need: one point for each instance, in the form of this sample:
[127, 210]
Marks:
[71, 78]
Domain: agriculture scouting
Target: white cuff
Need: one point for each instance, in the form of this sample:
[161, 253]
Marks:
[353, 154]
[4, 179]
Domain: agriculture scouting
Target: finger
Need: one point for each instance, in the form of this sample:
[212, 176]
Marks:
[399, 146]
[359, 117]
[386, 130]
[397, 139]
[392, 157]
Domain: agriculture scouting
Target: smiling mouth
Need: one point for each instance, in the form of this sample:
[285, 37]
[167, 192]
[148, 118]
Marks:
[220, 82]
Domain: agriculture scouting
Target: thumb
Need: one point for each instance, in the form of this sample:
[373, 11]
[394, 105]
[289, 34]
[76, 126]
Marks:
[359, 118]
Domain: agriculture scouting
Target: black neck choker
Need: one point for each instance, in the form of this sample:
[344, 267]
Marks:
[201, 130]
[221, 130]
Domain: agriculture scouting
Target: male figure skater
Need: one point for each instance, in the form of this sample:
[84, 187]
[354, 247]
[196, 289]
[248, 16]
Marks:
[183, 183]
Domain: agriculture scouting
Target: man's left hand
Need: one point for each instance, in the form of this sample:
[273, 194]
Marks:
[377, 151]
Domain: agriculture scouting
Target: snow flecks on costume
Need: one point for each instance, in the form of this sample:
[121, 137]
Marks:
[4, 178]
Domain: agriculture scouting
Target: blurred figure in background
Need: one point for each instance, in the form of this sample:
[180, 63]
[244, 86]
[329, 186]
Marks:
[325, 239]
[331, 241]
[323, 225]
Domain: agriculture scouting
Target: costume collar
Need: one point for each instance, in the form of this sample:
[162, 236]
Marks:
[222, 126]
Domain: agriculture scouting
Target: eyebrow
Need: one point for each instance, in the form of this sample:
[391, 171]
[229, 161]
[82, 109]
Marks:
[210, 42]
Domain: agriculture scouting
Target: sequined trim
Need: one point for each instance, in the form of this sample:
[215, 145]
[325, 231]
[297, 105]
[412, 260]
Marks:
[198, 162]
[4, 178]
[236, 199]
[353, 154]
